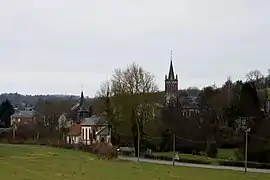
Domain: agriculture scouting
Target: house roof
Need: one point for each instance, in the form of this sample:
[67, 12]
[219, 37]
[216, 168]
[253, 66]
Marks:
[103, 131]
[93, 121]
[75, 130]
[24, 114]
[3, 130]
[189, 102]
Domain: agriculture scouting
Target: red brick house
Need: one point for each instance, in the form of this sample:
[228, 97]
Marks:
[23, 118]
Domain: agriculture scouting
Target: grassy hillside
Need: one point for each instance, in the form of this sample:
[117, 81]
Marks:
[20, 162]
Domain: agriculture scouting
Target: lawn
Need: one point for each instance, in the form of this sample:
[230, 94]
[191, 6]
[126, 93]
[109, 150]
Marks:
[21, 162]
[227, 154]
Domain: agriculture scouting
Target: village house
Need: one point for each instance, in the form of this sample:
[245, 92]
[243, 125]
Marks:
[87, 128]
[23, 117]
[90, 131]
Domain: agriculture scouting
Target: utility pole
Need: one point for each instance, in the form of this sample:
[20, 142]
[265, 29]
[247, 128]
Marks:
[174, 150]
[246, 148]
[138, 146]
[38, 136]
[138, 142]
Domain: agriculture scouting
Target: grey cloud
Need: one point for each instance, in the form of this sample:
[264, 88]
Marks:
[210, 39]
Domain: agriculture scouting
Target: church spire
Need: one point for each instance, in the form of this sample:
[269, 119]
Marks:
[171, 71]
[82, 101]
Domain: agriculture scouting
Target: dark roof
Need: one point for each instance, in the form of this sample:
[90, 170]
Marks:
[171, 72]
[82, 104]
[3, 130]
[24, 114]
[190, 106]
[189, 102]
[104, 131]
[93, 120]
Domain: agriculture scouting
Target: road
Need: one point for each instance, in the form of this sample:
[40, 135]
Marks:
[193, 165]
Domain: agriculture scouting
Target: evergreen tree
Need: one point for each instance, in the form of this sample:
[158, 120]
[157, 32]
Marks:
[249, 101]
[6, 110]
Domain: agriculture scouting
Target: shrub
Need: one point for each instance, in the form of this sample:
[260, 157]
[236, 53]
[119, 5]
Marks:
[104, 150]
[242, 164]
[239, 154]
[167, 158]
[193, 161]
[211, 150]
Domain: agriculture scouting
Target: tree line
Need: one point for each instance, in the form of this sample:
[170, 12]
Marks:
[134, 108]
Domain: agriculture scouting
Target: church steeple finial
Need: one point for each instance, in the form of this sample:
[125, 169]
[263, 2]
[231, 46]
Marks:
[171, 71]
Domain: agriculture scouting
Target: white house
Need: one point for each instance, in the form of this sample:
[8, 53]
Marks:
[74, 134]
[90, 130]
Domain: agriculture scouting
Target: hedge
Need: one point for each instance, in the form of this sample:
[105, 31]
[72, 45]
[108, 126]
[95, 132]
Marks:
[167, 158]
[218, 162]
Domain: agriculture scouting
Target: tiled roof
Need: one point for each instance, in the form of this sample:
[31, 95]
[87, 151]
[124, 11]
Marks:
[103, 131]
[24, 114]
[75, 130]
[93, 120]
[3, 130]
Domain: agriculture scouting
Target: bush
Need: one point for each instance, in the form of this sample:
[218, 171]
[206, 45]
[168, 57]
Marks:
[197, 161]
[104, 150]
[211, 150]
[167, 158]
[163, 158]
[193, 161]
[242, 164]
[239, 154]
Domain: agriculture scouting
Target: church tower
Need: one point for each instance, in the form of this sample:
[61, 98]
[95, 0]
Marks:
[171, 85]
[82, 112]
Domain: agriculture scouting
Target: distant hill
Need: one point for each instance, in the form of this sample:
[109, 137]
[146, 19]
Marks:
[21, 100]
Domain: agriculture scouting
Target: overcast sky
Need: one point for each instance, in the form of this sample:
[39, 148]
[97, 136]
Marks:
[55, 46]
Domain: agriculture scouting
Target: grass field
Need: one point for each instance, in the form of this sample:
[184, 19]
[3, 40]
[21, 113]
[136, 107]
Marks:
[21, 162]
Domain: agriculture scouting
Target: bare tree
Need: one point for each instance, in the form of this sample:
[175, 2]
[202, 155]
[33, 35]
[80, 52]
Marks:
[133, 80]
[254, 75]
[104, 89]
[129, 88]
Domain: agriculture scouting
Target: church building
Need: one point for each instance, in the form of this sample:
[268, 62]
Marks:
[171, 86]
[87, 127]
[189, 104]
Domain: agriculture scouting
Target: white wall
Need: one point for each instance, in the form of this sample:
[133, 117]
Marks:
[86, 131]
[85, 135]
[73, 139]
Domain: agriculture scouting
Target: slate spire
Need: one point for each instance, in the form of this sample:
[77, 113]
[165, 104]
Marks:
[171, 71]
[82, 101]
